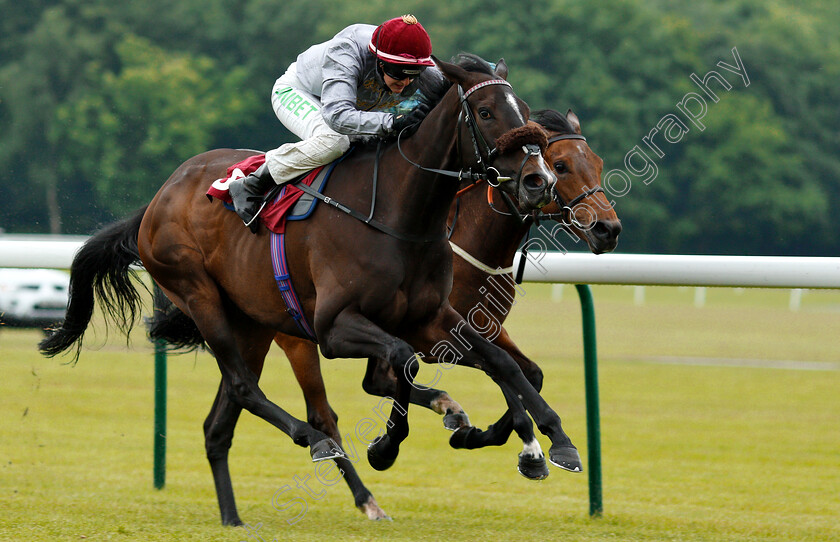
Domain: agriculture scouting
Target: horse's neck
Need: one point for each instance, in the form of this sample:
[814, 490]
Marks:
[425, 197]
[488, 236]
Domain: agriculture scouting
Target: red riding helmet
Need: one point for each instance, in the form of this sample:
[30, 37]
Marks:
[402, 41]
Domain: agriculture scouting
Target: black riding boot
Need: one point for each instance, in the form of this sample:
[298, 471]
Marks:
[247, 194]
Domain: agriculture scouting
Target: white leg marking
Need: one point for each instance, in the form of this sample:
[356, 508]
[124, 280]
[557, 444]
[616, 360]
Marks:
[532, 449]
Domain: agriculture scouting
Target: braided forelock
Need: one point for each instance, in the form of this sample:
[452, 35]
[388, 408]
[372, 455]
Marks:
[530, 134]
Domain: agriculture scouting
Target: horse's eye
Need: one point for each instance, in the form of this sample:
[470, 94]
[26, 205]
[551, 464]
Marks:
[484, 113]
[560, 167]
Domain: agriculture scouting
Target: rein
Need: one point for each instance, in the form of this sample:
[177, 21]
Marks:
[369, 220]
[462, 175]
[463, 191]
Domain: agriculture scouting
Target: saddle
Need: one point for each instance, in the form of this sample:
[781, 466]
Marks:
[283, 202]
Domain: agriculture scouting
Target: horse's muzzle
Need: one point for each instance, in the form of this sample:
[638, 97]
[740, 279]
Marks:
[603, 236]
[535, 187]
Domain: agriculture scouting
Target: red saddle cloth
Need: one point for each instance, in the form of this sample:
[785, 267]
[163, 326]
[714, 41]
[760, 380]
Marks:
[275, 212]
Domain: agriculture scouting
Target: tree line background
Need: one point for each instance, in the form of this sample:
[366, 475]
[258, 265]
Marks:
[100, 101]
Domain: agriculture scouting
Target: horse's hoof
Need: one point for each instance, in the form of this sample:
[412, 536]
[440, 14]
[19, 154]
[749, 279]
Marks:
[232, 522]
[532, 468]
[459, 438]
[565, 457]
[372, 511]
[455, 420]
[379, 456]
[326, 449]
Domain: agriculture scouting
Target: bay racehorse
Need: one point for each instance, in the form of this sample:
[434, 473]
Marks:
[366, 293]
[485, 236]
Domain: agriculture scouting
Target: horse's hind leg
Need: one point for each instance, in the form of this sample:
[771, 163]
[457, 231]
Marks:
[218, 434]
[306, 364]
[380, 381]
[230, 334]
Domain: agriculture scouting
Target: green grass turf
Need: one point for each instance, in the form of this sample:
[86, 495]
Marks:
[690, 452]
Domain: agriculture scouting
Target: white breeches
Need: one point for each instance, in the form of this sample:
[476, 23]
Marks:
[300, 112]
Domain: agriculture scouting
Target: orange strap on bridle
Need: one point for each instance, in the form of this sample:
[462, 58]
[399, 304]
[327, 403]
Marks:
[468, 188]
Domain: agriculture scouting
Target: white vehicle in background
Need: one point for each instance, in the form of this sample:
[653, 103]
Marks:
[33, 297]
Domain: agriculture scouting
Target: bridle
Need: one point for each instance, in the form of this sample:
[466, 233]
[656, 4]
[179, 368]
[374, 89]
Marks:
[564, 217]
[565, 214]
[479, 143]
[529, 219]
[484, 163]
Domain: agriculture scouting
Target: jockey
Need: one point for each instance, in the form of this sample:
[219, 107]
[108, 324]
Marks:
[338, 92]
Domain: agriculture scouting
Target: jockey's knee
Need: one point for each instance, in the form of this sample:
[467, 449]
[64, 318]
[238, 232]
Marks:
[329, 146]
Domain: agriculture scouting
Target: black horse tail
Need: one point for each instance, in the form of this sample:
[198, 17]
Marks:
[101, 268]
[169, 324]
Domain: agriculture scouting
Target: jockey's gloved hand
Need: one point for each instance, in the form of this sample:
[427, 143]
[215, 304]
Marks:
[410, 121]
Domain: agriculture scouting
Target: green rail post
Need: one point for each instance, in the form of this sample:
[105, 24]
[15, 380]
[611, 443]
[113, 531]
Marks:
[159, 466]
[593, 416]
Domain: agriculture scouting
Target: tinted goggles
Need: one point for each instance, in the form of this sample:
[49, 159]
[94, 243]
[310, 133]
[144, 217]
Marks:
[400, 72]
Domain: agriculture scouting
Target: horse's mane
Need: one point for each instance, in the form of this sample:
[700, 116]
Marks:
[434, 86]
[552, 120]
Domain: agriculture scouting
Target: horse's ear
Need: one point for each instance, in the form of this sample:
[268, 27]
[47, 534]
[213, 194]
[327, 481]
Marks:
[573, 120]
[502, 69]
[454, 73]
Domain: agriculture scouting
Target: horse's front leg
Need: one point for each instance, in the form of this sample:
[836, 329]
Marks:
[474, 350]
[531, 464]
[380, 380]
[565, 457]
[352, 335]
[440, 339]
[498, 433]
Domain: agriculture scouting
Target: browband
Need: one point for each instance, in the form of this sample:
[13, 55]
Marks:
[484, 84]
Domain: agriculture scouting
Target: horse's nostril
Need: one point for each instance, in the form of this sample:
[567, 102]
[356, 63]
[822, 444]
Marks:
[600, 231]
[534, 182]
[604, 229]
